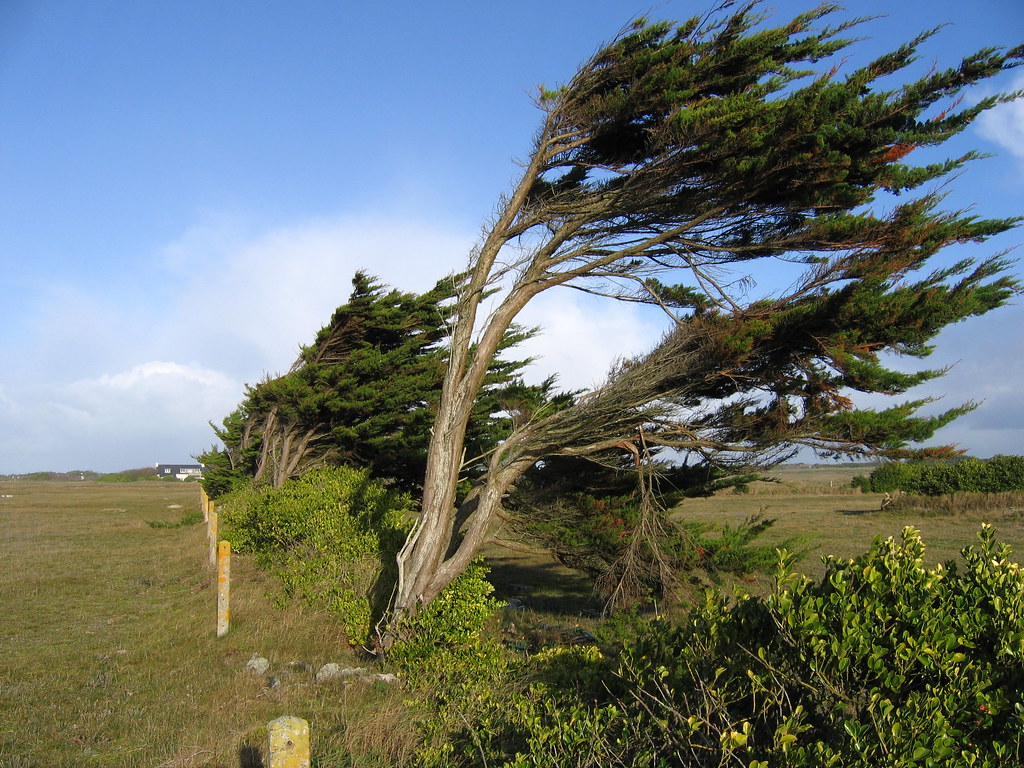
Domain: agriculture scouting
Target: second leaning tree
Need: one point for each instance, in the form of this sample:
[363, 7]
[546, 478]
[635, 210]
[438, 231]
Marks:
[676, 156]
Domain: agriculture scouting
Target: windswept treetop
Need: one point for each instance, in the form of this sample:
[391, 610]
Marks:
[678, 151]
[695, 148]
[717, 141]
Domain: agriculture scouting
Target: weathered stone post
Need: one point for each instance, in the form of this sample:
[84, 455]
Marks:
[212, 533]
[204, 504]
[223, 587]
[289, 743]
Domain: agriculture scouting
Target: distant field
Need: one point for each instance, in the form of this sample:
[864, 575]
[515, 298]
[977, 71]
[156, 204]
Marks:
[818, 502]
[107, 649]
[820, 474]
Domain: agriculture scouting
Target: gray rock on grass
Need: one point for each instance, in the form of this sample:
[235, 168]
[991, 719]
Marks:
[258, 664]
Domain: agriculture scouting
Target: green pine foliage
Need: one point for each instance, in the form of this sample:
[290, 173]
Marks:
[722, 140]
[362, 394]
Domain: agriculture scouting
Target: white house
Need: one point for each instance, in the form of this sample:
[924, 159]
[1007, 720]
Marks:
[180, 471]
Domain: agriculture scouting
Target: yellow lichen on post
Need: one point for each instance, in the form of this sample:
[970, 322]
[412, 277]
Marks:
[223, 587]
[212, 533]
[204, 504]
[289, 743]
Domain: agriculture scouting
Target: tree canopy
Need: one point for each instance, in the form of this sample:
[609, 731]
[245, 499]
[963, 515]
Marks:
[361, 394]
[677, 157]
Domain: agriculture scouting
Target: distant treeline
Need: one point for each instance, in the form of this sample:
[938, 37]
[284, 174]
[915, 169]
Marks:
[125, 476]
[968, 475]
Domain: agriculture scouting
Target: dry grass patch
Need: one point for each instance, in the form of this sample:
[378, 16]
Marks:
[108, 654]
[844, 524]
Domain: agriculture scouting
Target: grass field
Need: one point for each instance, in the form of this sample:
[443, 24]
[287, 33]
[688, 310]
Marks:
[108, 654]
[818, 502]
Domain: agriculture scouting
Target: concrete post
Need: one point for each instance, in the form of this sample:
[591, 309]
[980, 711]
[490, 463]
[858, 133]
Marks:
[212, 533]
[289, 743]
[204, 503]
[223, 587]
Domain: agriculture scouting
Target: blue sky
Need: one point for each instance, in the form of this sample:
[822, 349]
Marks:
[187, 187]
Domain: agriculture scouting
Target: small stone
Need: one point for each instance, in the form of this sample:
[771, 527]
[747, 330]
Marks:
[328, 672]
[258, 664]
[515, 604]
[273, 682]
[386, 677]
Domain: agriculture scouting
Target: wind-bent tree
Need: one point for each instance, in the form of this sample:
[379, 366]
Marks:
[362, 394]
[689, 150]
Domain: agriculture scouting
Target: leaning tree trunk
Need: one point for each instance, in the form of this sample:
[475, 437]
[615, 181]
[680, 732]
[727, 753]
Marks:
[434, 555]
[439, 549]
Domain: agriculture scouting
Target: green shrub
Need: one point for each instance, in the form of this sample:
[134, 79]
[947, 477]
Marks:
[456, 668]
[970, 475]
[958, 504]
[450, 628]
[882, 662]
[330, 536]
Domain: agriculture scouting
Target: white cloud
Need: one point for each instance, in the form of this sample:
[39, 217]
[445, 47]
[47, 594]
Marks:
[249, 303]
[134, 374]
[158, 383]
[1004, 124]
[985, 356]
[128, 384]
[989, 369]
[582, 336]
[153, 411]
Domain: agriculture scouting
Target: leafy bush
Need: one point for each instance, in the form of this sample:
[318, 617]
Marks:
[958, 504]
[331, 537]
[881, 662]
[455, 666]
[450, 626]
[970, 475]
[863, 483]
